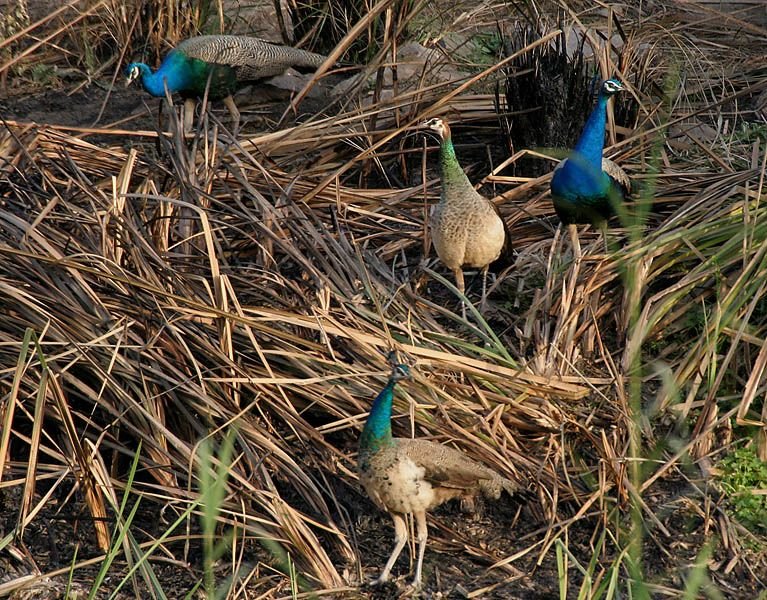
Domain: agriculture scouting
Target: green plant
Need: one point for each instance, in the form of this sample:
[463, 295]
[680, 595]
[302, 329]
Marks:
[42, 74]
[484, 48]
[741, 473]
[214, 476]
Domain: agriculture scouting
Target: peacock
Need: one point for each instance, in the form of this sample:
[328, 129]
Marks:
[220, 64]
[466, 228]
[585, 184]
[409, 476]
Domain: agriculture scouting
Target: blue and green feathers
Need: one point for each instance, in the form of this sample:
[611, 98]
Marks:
[377, 432]
[585, 185]
[229, 62]
[187, 76]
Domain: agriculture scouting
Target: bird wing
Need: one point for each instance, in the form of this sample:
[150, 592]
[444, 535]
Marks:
[252, 57]
[506, 257]
[444, 466]
[617, 174]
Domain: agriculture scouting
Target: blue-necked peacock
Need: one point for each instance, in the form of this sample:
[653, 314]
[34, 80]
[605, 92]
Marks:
[585, 184]
[222, 64]
[466, 228]
[409, 476]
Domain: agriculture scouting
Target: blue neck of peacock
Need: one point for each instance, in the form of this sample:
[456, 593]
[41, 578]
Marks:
[154, 83]
[173, 73]
[591, 144]
[377, 431]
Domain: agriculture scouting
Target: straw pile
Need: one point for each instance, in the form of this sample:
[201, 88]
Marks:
[161, 292]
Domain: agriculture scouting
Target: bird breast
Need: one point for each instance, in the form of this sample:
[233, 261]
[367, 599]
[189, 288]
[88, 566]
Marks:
[469, 235]
[396, 483]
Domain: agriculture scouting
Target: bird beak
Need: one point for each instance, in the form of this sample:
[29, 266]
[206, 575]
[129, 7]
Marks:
[131, 77]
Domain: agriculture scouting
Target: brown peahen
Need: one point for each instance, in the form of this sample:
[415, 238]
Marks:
[466, 228]
[408, 476]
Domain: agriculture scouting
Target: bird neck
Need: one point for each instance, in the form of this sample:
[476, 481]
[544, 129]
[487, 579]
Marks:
[174, 72]
[592, 141]
[150, 81]
[450, 169]
[377, 431]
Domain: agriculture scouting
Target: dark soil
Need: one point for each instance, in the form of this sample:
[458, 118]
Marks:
[64, 530]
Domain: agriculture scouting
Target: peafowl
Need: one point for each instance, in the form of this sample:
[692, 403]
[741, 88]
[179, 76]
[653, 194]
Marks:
[220, 64]
[466, 228]
[585, 185]
[408, 476]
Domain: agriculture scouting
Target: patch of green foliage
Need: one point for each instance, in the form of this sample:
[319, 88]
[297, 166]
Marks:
[485, 49]
[750, 132]
[742, 472]
[42, 74]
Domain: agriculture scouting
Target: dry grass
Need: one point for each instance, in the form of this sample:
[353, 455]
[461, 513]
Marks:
[160, 291]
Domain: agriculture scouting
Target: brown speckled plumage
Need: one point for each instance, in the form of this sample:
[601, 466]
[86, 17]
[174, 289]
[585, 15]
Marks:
[466, 228]
[411, 476]
[416, 475]
[252, 58]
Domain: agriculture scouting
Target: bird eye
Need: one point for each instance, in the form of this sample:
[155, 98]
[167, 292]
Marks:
[402, 371]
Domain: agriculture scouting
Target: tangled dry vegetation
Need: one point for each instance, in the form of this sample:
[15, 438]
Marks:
[161, 294]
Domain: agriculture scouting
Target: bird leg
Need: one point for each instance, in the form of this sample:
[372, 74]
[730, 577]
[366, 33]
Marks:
[577, 253]
[459, 283]
[229, 102]
[400, 539]
[188, 115]
[482, 302]
[422, 535]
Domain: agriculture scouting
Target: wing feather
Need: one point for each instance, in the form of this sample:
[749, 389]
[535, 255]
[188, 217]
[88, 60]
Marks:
[618, 175]
[445, 466]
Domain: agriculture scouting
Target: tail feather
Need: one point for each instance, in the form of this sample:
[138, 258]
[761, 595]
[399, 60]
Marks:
[506, 257]
[492, 488]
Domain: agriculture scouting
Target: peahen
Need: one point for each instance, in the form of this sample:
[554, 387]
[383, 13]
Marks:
[466, 228]
[585, 185]
[409, 476]
[222, 64]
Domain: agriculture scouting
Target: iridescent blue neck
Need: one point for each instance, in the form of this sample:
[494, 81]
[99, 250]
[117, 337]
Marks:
[377, 431]
[154, 83]
[592, 141]
[173, 73]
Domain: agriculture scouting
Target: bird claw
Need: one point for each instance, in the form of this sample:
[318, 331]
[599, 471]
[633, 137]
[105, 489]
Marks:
[414, 585]
[410, 590]
[377, 582]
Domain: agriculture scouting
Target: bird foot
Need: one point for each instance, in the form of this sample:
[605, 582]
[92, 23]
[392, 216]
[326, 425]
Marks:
[411, 588]
[378, 582]
[414, 586]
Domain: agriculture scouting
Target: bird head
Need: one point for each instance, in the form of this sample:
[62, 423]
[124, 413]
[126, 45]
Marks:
[611, 87]
[439, 126]
[400, 372]
[133, 71]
